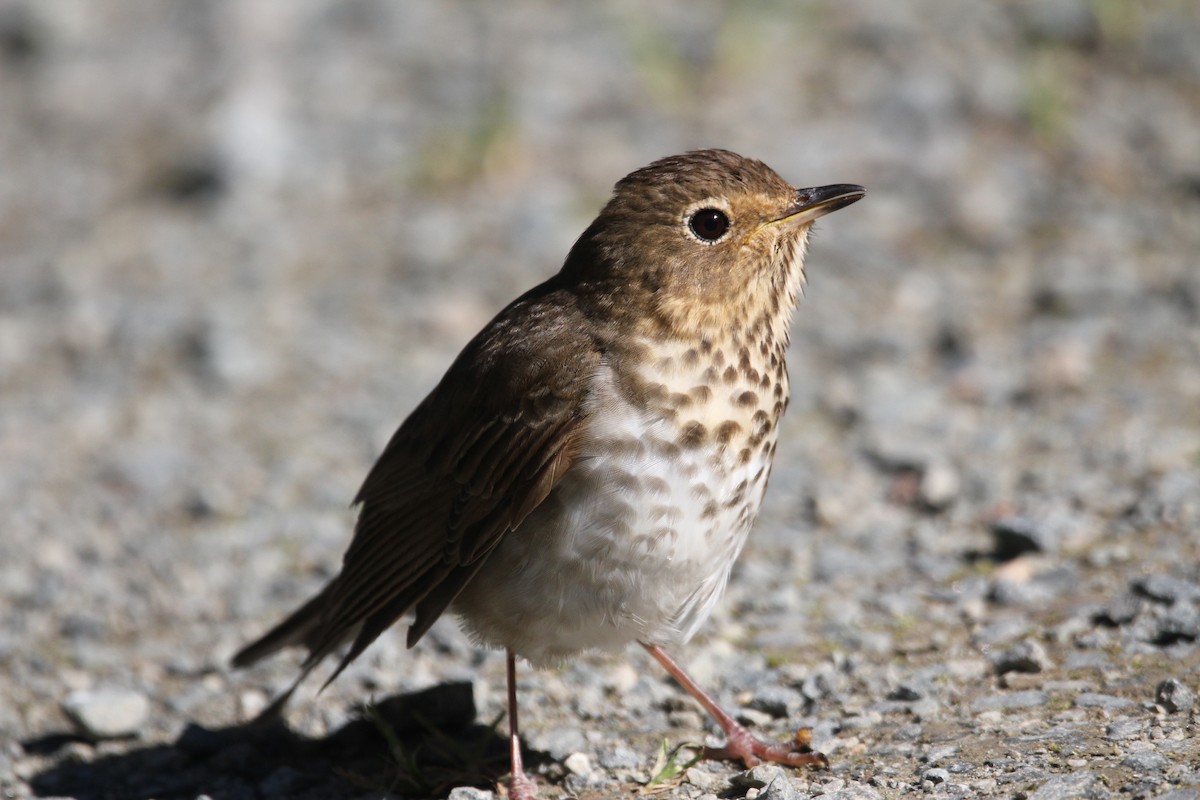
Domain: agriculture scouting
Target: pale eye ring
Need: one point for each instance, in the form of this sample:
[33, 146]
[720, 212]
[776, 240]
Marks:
[709, 224]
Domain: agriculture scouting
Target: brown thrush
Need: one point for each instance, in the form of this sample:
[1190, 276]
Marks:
[586, 472]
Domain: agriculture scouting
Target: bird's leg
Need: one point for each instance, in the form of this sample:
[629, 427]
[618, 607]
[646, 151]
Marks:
[520, 785]
[740, 744]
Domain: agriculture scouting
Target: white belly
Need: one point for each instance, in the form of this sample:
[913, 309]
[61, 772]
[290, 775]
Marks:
[635, 543]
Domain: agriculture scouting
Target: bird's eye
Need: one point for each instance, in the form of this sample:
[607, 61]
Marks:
[709, 224]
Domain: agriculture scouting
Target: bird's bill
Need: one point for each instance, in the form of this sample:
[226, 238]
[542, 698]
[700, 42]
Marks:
[818, 201]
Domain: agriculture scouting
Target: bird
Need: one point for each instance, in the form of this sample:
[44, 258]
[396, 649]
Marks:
[586, 472]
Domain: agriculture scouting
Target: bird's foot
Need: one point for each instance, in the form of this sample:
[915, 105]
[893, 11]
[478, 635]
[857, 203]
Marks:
[741, 745]
[521, 787]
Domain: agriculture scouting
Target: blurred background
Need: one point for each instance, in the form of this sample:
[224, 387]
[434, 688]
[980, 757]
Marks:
[240, 239]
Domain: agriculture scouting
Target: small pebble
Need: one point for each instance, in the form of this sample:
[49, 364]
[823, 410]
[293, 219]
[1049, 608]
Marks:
[699, 778]
[1098, 700]
[940, 486]
[1166, 588]
[559, 742]
[578, 764]
[107, 713]
[1180, 622]
[851, 791]
[1124, 729]
[935, 776]
[619, 757]
[1146, 761]
[780, 788]
[1121, 611]
[753, 718]
[780, 702]
[1015, 536]
[1069, 787]
[1182, 793]
[1174, 695]
[758, 777]
[470, 793]
[1025, 656]
[1026, 699]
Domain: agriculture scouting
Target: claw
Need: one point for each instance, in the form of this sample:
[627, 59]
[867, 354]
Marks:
[741, 745]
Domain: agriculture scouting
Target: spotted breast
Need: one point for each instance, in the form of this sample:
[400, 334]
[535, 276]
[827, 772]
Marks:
[638, 539]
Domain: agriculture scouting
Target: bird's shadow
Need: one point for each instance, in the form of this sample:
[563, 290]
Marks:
[414, 745]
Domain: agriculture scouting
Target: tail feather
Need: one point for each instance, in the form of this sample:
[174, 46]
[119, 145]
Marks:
[296, 630]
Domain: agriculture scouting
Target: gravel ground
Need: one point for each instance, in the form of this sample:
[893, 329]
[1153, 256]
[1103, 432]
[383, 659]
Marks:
[240, 240]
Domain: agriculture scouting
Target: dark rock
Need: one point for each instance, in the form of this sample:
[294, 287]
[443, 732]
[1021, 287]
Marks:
[781, 702]
[1180, 623]
[1015, 536]
[1122, 610]
[936, 775]
[282, 782]
[758, 777]
[1174, 695]
[908, 691]
[1026, 656]
[1166, 588]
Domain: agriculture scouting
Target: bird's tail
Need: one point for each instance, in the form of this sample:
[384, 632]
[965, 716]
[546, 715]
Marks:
[296, 630]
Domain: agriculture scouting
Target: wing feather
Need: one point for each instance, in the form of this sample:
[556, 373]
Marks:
[484, 449]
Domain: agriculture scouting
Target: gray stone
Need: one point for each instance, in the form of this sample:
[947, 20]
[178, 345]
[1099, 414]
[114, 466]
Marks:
[757, 777]
[940, 485]
[1166, 588]
[1182, 793]
[1083, 784]
[1025, 656]
[1084, 659]
[781, 788]
[851, 791]
[1017, 535]
[578, 764]
[1174, 695]
[936, 775]
[1100, 700]
[619, 757]
[941, 752]
[1121, 610]
[781, 702]
[470, 793]
[1023, 699]
[699, 778]
[559, 742]
[107, 713]
[910, 690]
[1124, 729]
[1146, 761]
[1180, 622]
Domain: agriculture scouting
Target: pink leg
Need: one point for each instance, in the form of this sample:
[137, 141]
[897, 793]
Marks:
[740, 744]
[520, 785]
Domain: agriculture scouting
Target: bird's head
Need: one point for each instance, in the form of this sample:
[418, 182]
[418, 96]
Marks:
[705, 240]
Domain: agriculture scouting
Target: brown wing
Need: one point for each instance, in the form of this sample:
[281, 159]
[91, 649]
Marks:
[470, 463]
